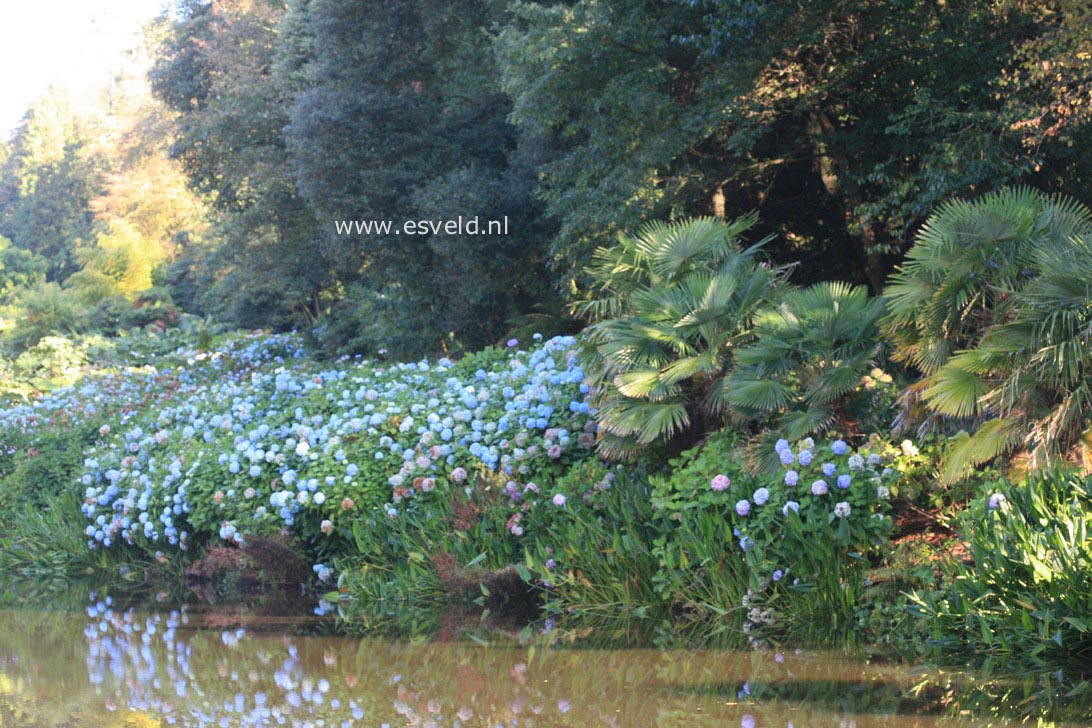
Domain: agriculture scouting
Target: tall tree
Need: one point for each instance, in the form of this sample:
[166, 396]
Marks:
[47, 182]
[843, 121]
[144, 211]
[215, 67]
[402, 118]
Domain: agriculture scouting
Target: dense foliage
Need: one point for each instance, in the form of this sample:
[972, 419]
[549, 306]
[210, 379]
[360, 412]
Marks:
[91, 211]
[1026, 590]
[844, 123]
[992, 307]
[717, 190]
[242, 446]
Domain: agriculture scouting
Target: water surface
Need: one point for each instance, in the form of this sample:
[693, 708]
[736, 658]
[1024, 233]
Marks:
[118, 666]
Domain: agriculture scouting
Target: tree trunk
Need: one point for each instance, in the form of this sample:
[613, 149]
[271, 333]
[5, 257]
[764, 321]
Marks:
[829, 164]
[820, 128]
[1086, 453]
[718, 202]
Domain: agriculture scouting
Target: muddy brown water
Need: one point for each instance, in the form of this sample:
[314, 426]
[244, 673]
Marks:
[111, 665]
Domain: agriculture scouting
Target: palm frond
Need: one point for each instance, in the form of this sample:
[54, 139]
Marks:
[642, 383]
[955, 391]
[797, 424]
[966, 451]
[760, 395]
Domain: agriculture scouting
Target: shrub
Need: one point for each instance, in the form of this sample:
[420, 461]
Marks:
[52, 362]
[1027, 593]
[811, 352]
[774, 555]
[918, 463]
[44, 310]
[669, 307]
[809, 545]
[13, 388]
[993, 306]
[377, 324]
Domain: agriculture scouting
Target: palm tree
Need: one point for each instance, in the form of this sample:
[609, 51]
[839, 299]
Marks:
[967, 260]
[992, 305]
[1029, 379]
[810, 351]
[670, 306]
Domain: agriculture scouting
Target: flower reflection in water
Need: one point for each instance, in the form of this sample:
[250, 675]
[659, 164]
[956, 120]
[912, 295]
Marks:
[215, 667]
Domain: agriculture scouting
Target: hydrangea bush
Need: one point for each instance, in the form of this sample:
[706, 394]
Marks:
[280, 444]
[822, 486]
[809, 539]
[803, 533]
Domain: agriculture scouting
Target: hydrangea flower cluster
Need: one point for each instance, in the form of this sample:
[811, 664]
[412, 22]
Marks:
[271, 442]
[120, 395]
[841, 472]
[818, 485]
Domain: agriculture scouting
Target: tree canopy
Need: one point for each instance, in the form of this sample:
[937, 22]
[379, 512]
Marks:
[843, 123]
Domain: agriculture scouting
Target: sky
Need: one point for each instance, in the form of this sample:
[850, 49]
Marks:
[77, 44]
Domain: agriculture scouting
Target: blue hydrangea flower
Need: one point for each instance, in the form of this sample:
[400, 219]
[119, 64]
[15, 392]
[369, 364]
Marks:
[829, 469]
[843, 481]
[839, 447]
[806, 458]
[792, 478]
[787, 456]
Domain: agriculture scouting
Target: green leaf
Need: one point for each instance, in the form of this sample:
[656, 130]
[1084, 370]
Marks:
[955, 392]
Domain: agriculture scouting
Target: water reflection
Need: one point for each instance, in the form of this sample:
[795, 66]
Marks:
[119, 666]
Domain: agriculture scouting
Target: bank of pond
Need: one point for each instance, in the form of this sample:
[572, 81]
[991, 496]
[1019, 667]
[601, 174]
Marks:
[457, 517]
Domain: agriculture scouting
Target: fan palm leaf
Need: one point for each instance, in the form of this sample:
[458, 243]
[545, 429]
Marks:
[809, 351]
[1018, 326]
[669, 306]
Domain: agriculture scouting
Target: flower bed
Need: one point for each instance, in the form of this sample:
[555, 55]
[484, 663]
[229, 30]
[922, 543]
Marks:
[272, 445]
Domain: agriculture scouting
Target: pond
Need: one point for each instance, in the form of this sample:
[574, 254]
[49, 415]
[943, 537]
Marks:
[121, 665]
